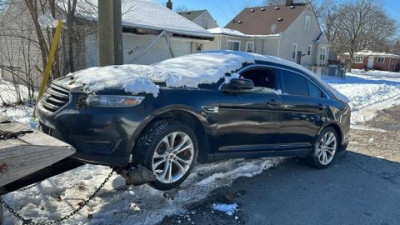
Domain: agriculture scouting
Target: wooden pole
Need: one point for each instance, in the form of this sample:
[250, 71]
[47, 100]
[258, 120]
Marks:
[110, 32]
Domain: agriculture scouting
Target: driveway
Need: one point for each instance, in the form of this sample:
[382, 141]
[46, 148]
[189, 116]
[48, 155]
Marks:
[361, 187]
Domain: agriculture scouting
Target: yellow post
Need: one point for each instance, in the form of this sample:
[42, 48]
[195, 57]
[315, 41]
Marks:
[50, 60]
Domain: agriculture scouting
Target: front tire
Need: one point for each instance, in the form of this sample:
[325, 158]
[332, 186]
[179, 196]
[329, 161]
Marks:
[325, 148]
[169, 149]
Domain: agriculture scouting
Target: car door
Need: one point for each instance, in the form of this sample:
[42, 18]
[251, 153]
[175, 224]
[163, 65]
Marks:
[304, 110]
[249, 119]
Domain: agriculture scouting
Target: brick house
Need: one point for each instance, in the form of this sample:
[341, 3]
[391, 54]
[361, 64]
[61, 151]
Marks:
[376, 61]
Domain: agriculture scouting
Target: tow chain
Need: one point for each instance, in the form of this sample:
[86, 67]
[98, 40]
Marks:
[4, 135]
[81, 206]
[12, 135]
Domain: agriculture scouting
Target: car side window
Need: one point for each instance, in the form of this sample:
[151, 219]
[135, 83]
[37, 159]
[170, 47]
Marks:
[314, 91]
[294, 84]
[262, 77]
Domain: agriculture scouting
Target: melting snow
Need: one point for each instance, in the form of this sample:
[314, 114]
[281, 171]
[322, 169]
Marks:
[229, 209]
[185, 71]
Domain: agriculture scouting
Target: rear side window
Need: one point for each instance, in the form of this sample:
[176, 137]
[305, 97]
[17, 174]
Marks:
[315, 92]
[294, 84]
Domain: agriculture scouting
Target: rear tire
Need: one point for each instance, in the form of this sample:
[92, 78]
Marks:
[169, 149]
[325, 148]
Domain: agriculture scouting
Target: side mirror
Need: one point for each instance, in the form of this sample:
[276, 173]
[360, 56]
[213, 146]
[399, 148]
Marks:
[241, 84]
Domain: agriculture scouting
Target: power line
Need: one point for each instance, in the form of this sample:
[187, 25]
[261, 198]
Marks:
[220, 9]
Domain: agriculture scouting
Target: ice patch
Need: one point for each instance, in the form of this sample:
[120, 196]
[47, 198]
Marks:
[229, 209]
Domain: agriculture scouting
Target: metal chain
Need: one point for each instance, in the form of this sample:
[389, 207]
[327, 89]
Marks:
[29, 187]
[4, 135]
[86, 202]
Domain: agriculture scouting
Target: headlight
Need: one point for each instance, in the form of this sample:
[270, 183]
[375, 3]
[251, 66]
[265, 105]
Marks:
[113, 100]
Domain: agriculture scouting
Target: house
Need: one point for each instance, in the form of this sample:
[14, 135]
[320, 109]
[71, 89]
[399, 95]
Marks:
[367, 59]
[200, 17]
[290, 31]
[151, 33]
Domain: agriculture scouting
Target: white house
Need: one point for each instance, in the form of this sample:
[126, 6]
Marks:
[289, 31]
[200, 17]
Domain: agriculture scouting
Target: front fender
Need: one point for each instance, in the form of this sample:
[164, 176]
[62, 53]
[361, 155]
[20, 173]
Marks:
[197, 113]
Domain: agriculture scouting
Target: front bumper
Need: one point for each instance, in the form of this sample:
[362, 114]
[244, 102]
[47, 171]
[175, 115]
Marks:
[100, 135]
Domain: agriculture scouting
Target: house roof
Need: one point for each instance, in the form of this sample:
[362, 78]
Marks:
[260, 20]
[226, 31]
[192, 15]
[230, 32]
[371, 53]
[145, 14]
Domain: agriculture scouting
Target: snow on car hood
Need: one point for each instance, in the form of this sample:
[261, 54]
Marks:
[186, 71]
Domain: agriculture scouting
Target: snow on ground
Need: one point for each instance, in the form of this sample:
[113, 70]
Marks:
[367, 94]
[8, 96]
[229, 209]
[118, 204]
[376, 73]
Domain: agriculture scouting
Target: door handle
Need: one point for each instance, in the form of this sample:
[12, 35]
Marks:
[321, 107]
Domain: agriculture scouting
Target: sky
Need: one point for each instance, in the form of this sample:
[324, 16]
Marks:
[225, 10]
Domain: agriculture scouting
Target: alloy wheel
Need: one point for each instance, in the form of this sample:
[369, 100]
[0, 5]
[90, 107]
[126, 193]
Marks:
[173, 157]
[325, 149]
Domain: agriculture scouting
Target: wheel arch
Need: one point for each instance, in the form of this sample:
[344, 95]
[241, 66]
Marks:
[187, 116]
[337, 128]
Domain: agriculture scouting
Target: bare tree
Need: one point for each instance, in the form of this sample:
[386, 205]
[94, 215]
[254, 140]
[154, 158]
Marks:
[359, 25]
[181, 8]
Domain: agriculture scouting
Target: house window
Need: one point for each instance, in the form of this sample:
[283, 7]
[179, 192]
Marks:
[307, 23]
[250, 46]
[309, 50]
[381, 59]
[294, 54]
[322, 56]
[358, 59]
[233, 45]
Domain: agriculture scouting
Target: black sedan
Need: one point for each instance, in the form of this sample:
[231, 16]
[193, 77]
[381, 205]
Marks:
[262, 107]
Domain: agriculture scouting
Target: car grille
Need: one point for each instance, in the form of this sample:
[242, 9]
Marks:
[55, 98]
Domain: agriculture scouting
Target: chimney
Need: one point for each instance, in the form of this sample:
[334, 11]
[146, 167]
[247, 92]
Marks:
[169, 4]
[289, 2]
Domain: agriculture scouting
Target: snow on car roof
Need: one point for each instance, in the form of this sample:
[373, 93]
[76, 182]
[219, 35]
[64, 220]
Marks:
[185, 71]
[145, 14]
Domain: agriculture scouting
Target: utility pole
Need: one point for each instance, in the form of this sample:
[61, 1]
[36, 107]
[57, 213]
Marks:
[110, 32]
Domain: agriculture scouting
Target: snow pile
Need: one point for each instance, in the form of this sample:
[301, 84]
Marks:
[185, 71]
[367, 94]
[47, 21]
[229, 209]
[9, 93]
[8, 96]
[376, 73]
